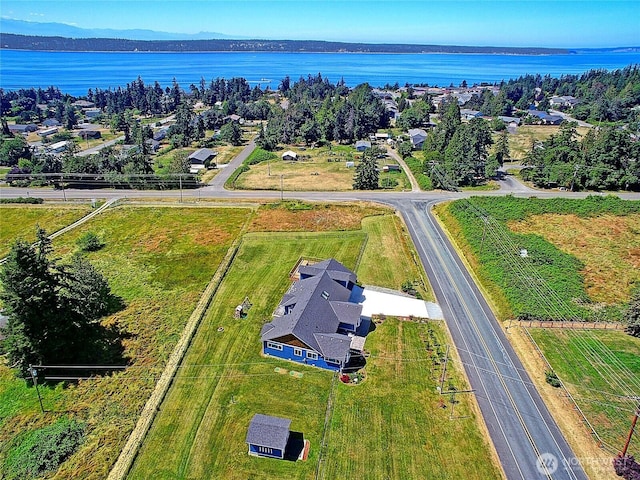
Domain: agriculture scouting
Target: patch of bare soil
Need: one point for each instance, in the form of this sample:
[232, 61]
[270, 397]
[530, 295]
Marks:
[318, 219]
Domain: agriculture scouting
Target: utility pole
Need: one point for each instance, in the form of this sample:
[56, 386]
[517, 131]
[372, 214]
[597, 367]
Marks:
[633, 427]
[34, 373]
[281, 188]
[485, 220]
[64, 195]
[180, 179]
[444, 370]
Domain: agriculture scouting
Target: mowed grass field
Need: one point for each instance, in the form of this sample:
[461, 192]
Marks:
[394, 417]
[317, 169]
[395, 425]
[599, 368]
[19, 221]
[224, 380]
[159, 260]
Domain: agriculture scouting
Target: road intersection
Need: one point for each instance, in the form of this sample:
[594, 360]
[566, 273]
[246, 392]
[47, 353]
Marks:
[527, 440]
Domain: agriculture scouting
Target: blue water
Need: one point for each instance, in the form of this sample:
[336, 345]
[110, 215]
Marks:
[75, 73]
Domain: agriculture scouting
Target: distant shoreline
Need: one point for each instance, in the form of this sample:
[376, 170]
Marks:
[283, 52]
[9, 41]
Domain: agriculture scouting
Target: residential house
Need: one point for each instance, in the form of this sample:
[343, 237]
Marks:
[83, 104]
[51, 122]
[268, 436]
[89, 133]
[563, 101]
[512, 121]
[468, 114]
[233, 118]
[57, 147]
[92, 113]
[290, 156]
[160, 134]
[153, 145]
[417, 137]
[362, 145]
[315, 322]
[45, 132]
[201, 159]
[381, 137]
[546, 118]
[23, 129]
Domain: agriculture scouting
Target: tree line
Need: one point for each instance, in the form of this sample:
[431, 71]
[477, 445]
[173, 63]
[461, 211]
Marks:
[604, 159]
[49, 43]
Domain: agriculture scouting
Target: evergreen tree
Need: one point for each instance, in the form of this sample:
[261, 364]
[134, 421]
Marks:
[367, 175]
[632, 314]
[231, 133]
[53, 309]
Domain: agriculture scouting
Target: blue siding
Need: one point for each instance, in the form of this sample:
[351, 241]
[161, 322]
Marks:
[347, 327]
[256, 450]
[288, 353]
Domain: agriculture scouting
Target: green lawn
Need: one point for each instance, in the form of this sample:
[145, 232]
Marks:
[19, 221]
[394, 418]
[159, 261]
[393, 425]
[597, 367]
[224, 380]
[390, 258]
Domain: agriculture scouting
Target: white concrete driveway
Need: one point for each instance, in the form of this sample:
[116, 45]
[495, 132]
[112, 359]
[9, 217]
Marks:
[377, 301]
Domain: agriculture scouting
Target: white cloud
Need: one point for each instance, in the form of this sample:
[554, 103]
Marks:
[35, 14]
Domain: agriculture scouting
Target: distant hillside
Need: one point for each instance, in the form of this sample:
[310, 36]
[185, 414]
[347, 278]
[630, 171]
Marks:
[28, 42]
[21, 27]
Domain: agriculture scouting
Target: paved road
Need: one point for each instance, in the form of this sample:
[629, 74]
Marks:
[217, 183]
[97, 148]
[518, 422]
[517, 419]
[569, 118]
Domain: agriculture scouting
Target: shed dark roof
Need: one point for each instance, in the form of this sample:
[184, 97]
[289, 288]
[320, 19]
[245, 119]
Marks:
[267, 431]
[202, 155]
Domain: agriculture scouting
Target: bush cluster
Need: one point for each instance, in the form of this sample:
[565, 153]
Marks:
[43, 450]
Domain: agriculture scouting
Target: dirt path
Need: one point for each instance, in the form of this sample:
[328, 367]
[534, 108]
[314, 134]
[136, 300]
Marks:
[414, 184]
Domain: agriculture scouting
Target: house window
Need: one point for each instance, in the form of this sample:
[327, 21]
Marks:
[325, 295]
[274, 346]
[312, 355]
[297, 352]
[268, 451]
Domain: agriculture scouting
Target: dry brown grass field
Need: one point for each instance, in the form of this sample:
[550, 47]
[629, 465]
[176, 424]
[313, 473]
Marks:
[609, 247]
[520, 142]
[317, 169]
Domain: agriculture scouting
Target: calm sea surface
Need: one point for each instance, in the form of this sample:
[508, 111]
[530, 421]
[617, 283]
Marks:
[75, 73]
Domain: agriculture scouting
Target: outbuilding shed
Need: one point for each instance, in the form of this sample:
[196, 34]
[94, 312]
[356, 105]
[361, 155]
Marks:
[268, 436]
[289, 156]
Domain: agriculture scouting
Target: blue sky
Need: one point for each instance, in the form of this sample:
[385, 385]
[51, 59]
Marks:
[560, 23]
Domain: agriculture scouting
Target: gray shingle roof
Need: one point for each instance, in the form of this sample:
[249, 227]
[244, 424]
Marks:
[267, 431]
[313, 308]
[202, 155]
